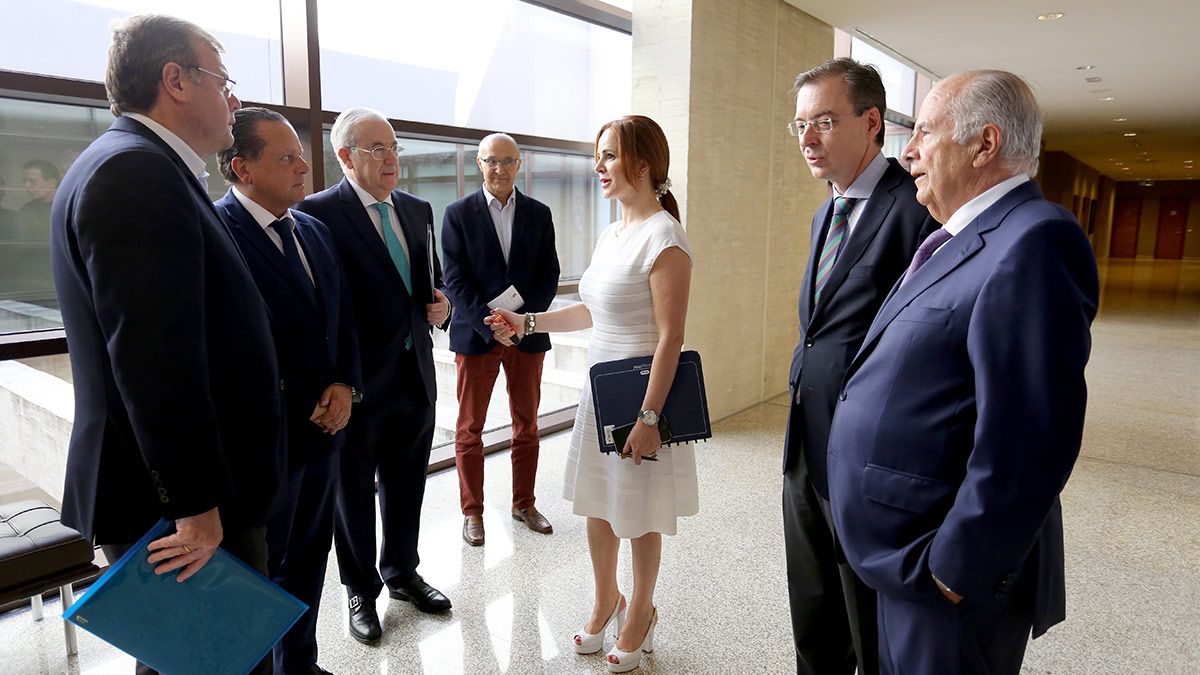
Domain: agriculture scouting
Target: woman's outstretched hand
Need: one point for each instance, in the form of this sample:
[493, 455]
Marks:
[505, 325]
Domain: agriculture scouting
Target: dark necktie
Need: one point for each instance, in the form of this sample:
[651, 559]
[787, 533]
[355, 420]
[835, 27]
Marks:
[834, 239]
[291, 258]
[925, 251]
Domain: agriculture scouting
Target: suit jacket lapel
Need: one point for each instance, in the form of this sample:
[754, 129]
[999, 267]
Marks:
[520, 213]
[266, 249]
[819, 226]
[483, 220]
[306, 240]
[356, 214]
[416, 233]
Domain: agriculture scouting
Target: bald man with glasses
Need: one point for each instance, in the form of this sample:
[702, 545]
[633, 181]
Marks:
[499, 247]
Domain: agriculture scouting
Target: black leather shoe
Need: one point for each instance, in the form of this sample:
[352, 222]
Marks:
[427, 598]
[364, 622]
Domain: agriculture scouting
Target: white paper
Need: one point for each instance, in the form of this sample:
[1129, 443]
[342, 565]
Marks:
[510, 299]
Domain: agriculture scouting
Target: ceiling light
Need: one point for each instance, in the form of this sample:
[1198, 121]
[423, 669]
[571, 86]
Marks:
[1124, 168]
[1129, 134]
[1188, 161]
[1099, 91]
[1119, 163]
[1107, 99]
[1050, 16]
[1084, 67]
[1095, 79]
[1120, 119]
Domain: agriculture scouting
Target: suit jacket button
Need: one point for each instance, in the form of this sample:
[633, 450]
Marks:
[842, 396]
[808, 342]
[280, 385]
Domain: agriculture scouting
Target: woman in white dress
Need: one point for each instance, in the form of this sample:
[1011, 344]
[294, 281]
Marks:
[635, 295]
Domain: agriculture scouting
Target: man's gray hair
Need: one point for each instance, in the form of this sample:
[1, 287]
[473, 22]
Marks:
[342, 134]
[1004, 99]
[498, 136]
[141, 46]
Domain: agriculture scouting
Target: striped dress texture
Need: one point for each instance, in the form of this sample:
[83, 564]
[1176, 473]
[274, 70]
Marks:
[615, 287]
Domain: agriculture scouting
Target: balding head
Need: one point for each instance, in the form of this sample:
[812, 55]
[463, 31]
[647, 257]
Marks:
[499, 160]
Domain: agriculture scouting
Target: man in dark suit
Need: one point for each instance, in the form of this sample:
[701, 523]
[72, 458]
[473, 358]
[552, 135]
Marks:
[962, 414]
[292, 258]
[177, 392]
[499, 248]
[862, 239]
[385, 239]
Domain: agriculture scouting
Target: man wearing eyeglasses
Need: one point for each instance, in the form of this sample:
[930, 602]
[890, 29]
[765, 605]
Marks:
[863, 238]
[499, 246]
[177, 390]
[385, 239]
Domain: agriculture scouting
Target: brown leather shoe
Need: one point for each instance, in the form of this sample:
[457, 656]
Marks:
[534, 520]
[473, 530]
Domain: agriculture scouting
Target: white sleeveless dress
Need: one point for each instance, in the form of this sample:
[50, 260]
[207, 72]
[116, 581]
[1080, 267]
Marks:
[616, 289]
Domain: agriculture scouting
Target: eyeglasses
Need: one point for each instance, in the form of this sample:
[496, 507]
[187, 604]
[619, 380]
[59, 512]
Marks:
[507, 162]
[821, 126]
[381, 152]
[226, 88]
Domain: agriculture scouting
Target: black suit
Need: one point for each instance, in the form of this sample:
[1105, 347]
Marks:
[833, 613]
[315, 338]
[391, 432]
[177, 392]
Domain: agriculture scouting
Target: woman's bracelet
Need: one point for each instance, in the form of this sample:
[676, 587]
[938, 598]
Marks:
[530, 323]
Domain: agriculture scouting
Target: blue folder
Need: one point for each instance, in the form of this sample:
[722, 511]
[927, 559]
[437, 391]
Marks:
[618, 388]
[223, 619]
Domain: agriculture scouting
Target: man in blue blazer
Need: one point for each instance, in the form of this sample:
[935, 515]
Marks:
[962, 413]
[177, 391]
[863, 237]
[385, 239]
[499, 248]
[292, 258]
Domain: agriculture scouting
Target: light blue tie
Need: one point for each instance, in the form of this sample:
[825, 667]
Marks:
[396, 251]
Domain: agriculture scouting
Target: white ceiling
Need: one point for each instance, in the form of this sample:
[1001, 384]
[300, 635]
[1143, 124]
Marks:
[1146, 53]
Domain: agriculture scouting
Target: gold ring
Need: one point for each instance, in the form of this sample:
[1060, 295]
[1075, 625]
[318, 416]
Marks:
[186, 549]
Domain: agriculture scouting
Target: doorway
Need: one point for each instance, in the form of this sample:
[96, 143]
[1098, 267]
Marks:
[1127, 217]
[1172, 226]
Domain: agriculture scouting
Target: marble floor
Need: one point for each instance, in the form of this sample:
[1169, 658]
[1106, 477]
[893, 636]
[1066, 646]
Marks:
[1132, 516]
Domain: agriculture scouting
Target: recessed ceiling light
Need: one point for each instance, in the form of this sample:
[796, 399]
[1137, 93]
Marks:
[1124, 168]
[1106, 99]
[1099, 91]
[1129, 134]
[1095, 79]
[1119, 163]
[1050, 16]
[1188, 161]
[1120, 119]
[1085, 67]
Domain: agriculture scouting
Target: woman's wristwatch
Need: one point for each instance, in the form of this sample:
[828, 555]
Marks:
[530, 323]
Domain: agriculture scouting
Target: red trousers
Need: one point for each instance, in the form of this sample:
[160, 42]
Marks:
[476, 378]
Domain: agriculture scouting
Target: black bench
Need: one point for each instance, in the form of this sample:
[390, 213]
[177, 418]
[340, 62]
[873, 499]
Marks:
[38, 554]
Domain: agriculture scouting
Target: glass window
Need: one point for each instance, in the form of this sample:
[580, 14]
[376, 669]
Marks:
[38, 142]
[249, 29]
[899, 79]
[483, 64]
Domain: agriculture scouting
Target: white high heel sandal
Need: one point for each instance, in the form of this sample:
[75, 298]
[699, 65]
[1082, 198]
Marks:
[621, 662]
[590, 643]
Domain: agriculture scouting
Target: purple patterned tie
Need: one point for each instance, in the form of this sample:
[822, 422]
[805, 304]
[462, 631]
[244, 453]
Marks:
[833, 243]
[925, 251]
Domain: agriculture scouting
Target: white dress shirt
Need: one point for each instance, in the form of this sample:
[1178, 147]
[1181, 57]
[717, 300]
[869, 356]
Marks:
[502, 217]
[264, 219]
[194, 162]
[369, 203]
[860, 190]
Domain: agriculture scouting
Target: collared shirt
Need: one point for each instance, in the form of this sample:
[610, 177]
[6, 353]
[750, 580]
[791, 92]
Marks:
[502, 217]
[194, 162]
[264, 219]
[369, 203]
[861, 189]
[982, 202]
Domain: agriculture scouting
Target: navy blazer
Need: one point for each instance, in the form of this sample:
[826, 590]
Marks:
[177, 401]
[889, 229]
[385, 313]
[963, 412]
[316, 342]
[476, 271]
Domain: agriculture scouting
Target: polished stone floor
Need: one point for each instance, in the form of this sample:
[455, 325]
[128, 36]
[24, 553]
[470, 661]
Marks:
[1132, 514]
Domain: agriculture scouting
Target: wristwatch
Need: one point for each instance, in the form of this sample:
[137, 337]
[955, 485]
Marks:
[356, 394]
[648, 417]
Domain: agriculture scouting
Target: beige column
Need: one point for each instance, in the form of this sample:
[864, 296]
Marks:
[717, 75]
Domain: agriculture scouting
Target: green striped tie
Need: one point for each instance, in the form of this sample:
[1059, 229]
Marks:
[396, 251]
[833, 243]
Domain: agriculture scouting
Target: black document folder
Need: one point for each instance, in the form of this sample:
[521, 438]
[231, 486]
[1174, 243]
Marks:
[618, 388]
[224, 619]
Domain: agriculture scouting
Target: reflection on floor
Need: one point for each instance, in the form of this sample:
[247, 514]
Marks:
[1132, 513]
